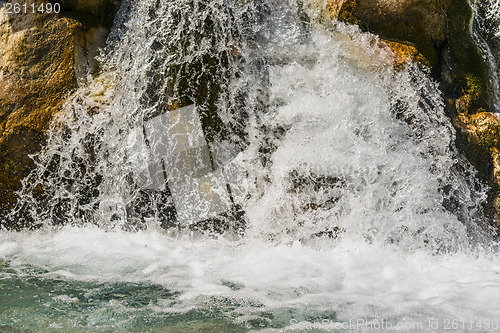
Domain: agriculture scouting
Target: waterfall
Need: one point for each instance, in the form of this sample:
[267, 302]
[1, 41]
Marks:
[242, 165]
[321, 136]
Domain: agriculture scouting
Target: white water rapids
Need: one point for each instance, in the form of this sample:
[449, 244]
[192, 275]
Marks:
[358, 206]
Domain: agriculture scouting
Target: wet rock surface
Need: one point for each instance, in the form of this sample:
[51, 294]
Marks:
[43, 57]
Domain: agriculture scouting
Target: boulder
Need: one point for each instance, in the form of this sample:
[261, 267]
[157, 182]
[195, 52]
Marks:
[42, 59]
[403, 53]
[478, 136]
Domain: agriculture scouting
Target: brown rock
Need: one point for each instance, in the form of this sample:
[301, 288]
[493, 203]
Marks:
[333, 7]
[36, 73]
[42, 57]
[479, 138]
[438, 29]
[481, 128]
[405, 53]
[418, 22]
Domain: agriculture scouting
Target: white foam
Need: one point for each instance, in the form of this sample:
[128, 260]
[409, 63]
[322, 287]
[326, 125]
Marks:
[350, 277]
[8, 249]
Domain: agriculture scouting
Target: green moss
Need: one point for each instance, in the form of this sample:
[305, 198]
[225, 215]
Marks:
[474, 87]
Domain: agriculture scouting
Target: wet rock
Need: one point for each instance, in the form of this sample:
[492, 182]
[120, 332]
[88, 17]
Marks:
[437, 33]
[405, 53]
[478, 136]
[331, 9]
[418, 22]
[439, 30]
[42, 59]
[481, 131]
[91, 12]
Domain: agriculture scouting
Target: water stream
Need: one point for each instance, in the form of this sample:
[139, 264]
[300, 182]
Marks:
[484, 29]
[353, 205]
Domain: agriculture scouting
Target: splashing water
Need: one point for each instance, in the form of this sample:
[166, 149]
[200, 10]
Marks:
[356, 204]
[486, 32]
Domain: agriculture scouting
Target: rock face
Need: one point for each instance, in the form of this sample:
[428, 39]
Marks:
[421, 22]
[438, 29]
[42, 59]
[479, 138]
[91, 12]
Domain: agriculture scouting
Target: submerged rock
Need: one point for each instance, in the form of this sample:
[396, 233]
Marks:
[42, 59]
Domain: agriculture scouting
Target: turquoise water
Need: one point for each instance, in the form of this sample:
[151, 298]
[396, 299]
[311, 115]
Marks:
[31, 302]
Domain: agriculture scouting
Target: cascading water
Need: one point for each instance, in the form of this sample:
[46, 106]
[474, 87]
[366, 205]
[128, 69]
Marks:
[485, 29]
[355, 203]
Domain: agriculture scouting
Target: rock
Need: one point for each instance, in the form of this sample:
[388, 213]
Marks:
[462, 65]
[331, 10]
[482, 129]
[405, 53]
[438, 29]
[42, 59]
[89, 6]
[479, 138]
[418, 22]
[101, 12]
[437, 33]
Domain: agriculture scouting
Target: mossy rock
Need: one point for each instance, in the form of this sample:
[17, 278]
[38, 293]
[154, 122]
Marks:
[348, 11]
[438, 29]
[478, 136]
[421, 23]
[37, 65]
[40, 58]
[468, 68]
[404, 53]
[483, 129]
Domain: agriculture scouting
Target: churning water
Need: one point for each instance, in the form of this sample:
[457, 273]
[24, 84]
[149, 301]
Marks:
[347, 203]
